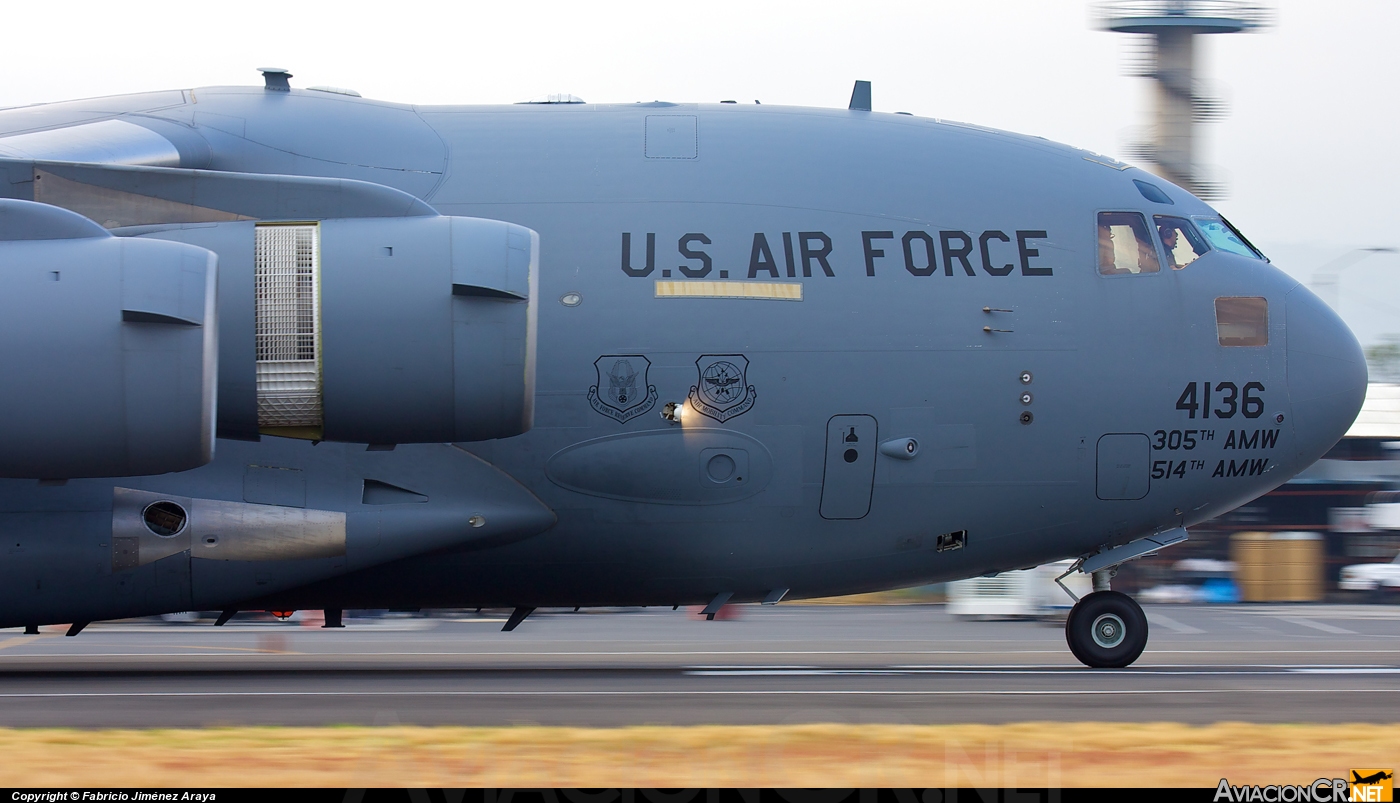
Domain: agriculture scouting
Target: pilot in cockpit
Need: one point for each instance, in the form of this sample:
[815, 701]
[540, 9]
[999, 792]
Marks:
[1168, 234]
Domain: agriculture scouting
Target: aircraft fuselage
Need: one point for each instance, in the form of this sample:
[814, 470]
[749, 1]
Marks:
[895, 352]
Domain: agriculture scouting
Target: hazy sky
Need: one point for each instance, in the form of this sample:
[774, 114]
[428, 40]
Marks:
[1309, 149]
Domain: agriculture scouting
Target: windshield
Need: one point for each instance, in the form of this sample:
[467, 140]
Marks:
[1183, 244]
[1227, 238]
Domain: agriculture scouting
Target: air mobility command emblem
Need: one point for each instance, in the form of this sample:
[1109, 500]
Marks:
[722, 390]
[622, 392]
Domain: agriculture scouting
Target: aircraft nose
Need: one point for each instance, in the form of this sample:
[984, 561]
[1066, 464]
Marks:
[1326, 373]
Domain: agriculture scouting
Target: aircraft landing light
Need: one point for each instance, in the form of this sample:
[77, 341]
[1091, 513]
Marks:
[773, 291]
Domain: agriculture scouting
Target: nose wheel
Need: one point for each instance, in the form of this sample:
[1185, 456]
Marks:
[1106, 630]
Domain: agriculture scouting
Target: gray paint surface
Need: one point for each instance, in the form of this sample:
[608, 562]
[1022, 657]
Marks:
[110, 347]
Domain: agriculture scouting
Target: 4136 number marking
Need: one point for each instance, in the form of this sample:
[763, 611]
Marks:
[1228, 395]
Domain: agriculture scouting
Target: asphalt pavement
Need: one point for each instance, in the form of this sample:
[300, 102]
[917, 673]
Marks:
[769, 665]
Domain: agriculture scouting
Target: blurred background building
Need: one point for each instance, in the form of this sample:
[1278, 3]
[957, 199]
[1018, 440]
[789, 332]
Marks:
[1293, 543]
[1330, 534]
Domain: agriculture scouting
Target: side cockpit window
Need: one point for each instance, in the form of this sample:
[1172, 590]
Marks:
[1125, 246]
[1227, 238]
[1180, 239]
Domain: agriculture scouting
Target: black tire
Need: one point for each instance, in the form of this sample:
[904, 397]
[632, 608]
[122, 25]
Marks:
[1121, 630]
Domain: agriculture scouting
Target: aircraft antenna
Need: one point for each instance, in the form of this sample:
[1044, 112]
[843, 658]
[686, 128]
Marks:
[275, 79]
[1166, 32]
[860, 97]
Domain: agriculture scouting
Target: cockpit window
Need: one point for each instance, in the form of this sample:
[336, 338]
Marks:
[1153, 193]
[1124, 244]
[1225, 237]
[1182, 242]
[1242, 321]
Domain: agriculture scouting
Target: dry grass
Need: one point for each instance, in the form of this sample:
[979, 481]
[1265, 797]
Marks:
[1023, 754]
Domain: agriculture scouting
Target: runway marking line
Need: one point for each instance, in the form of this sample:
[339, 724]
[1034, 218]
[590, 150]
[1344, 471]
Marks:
[1066, 670]
[1344, 670]
[680, 693]
[1069, 671]
[1171, 624]
[624, 654]
[1353, 613]
[263, 650]
[1323, 626]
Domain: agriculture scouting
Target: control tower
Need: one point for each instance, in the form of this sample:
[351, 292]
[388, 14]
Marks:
[1168, 56]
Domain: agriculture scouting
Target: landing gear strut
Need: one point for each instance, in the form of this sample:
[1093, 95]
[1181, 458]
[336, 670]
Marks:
[1106, 629]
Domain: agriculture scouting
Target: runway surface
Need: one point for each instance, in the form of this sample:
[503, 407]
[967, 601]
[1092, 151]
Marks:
[772, 665]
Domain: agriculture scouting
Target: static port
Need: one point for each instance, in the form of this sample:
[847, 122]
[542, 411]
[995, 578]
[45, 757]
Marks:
[1026, 417]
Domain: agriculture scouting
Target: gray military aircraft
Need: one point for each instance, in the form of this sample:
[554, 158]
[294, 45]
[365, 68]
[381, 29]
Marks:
[275, 348]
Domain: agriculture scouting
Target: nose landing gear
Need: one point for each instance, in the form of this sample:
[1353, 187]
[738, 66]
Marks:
[1106, 630]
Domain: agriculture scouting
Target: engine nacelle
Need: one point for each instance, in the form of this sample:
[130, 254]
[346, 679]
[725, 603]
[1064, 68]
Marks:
[108, 346]
[379, 330]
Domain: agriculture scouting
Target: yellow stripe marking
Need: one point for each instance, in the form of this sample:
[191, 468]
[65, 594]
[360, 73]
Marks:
[773, 291]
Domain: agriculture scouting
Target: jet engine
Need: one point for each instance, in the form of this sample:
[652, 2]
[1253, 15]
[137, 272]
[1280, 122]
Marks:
[379, 330]
[108, 347]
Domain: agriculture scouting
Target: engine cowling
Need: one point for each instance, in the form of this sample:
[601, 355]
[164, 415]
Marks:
[108, 347]
[378, 330]
[440, 349]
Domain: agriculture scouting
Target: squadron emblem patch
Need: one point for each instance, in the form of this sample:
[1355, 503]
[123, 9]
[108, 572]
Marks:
[622, 393]
[722, 391]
